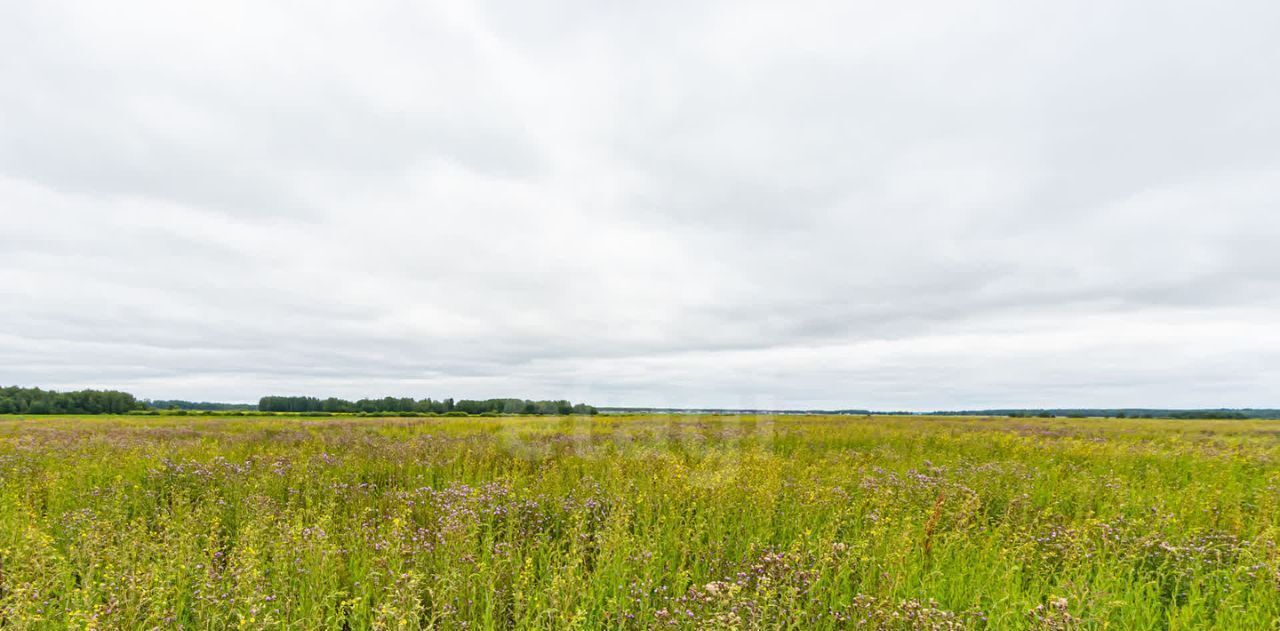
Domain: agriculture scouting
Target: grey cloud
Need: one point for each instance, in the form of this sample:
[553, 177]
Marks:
[108, 116]
[817, 204]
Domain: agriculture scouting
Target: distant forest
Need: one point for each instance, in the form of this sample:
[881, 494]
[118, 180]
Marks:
[179, 404]
[18, 400]
[15, 400]
[406, 404]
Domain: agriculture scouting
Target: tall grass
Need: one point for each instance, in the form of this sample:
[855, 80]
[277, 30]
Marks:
[639, 522]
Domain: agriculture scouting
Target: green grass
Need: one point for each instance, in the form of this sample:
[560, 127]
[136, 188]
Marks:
[638, 522]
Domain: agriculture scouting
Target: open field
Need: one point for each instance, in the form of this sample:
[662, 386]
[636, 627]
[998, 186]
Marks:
[638, 522]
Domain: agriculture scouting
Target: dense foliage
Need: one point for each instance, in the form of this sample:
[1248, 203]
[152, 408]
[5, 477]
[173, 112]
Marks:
[443, 406]
[16, 400]
[801, 522]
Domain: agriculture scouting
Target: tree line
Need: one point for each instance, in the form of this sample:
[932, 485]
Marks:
[407, 404]
[210, 406]
[16, 400]
[19, 400]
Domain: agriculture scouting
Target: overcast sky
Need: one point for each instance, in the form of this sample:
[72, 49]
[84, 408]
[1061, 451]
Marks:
[894, 205]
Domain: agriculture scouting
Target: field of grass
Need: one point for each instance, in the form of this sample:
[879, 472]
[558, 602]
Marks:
[638, 522]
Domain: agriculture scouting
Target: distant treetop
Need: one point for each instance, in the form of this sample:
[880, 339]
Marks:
[179, 404]
[407, 404]
[16, 400]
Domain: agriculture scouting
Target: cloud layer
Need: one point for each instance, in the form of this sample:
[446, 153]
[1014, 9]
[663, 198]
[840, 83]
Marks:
[908, 206]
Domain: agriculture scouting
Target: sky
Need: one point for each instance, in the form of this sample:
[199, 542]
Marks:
[907, 206]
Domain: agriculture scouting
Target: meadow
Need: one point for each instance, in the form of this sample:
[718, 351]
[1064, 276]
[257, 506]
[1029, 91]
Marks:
[638, 522]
